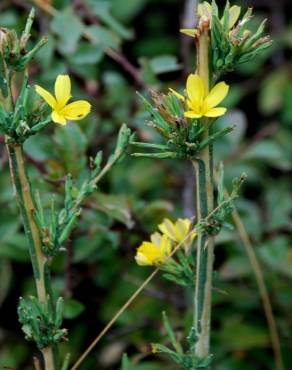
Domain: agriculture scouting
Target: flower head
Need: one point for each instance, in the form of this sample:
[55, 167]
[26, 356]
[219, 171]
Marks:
[154, 252]
[178, 231]
[61, 110]
[199, 103]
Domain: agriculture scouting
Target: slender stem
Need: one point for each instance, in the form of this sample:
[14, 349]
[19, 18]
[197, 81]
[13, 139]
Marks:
[25, 201]
[38, 259]
[113, 320]
[138, 291]
[37, 364]
[204, 205]
[259, 276]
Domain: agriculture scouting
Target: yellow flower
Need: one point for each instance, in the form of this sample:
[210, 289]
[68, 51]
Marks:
[154, 252]
[178, 231]
[61, 110]
[199, 103]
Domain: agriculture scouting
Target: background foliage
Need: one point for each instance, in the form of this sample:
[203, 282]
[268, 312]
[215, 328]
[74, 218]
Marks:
[111, 49]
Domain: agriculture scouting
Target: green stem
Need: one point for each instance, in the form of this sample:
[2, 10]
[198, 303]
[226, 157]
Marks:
[204, 205]
[38, 259]
[26, 204]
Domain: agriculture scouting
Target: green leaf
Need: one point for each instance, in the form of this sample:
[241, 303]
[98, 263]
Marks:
[276, 254]
[46, 55]
[248, 336]
[71, 146]
[272, 91]
[171, 334]
[125, 362]
[102, 9]
[165, 64]
[68, 28]
[13, 244]
[287, 106]
[265, 150]
[278, 194]
[126, 11]
[235, 268]
[103, 37]
[72, 308]
[86, 54]
[116, 207]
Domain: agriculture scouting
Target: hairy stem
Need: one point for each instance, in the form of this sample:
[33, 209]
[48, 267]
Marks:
[38, 259]
[204, 205]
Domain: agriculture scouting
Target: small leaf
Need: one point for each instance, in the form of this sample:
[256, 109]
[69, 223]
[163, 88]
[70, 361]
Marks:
[72, 308]
[86, 54]
[68, 27]
[103, 37]
[164, 64]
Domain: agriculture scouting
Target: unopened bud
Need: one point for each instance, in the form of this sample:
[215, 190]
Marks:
[3, 33]
[262, 40]
[204, 22]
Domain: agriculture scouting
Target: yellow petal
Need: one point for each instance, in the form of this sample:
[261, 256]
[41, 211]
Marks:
[48, 97]
[165, 248]
[174, 231]
[183, 225]
[142, 260]
[76, 110]
[216, 95]
[175, 93]
[58, 118]
[195, 90]
[155, 239]
[234, 13]
[62, 90]
[167, 228]
[192, 114]
[192, 32]
[215, 112]
[205, 9]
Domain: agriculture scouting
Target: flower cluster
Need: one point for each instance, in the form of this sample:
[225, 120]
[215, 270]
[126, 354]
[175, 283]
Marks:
[205, 10]
[232, 40]
[159, 249]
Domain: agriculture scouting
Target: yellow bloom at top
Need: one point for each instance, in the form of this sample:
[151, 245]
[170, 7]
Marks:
[199, 103]
[178, 231]
[62, 111]
[155, 252]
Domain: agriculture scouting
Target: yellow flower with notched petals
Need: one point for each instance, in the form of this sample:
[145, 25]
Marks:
[63, 112]
[178, 231]
[155, 252]
[199, 103]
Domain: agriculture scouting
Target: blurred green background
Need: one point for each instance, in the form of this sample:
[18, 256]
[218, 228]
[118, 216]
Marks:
[111, 49]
